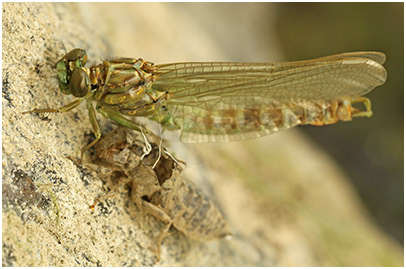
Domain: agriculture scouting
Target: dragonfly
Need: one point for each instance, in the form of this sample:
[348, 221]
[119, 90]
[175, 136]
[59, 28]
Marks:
[221, 101]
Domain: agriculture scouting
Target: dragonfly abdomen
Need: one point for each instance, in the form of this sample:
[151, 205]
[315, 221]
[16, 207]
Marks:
[266, 118]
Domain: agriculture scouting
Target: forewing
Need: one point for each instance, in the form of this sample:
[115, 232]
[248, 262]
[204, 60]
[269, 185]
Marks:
[201, 89]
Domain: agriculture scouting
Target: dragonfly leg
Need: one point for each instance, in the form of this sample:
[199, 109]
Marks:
[122, 120]
[62, 109]
[95, 126]
[119, 118]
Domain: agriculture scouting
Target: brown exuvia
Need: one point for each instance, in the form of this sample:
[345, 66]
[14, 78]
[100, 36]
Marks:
[160, 190]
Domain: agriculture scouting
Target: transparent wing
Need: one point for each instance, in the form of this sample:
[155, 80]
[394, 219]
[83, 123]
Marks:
[206, 88]
[378, 57]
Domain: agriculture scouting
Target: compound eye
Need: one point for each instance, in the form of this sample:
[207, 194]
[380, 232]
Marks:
[79, 84]
[78, 56]
[62, 74]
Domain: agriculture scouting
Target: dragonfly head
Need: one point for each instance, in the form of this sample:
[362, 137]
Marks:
[72, 76]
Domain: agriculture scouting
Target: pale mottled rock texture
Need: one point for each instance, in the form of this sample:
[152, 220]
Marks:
[286, 202]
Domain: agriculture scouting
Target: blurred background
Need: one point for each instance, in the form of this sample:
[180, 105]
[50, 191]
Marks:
[369, 151]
